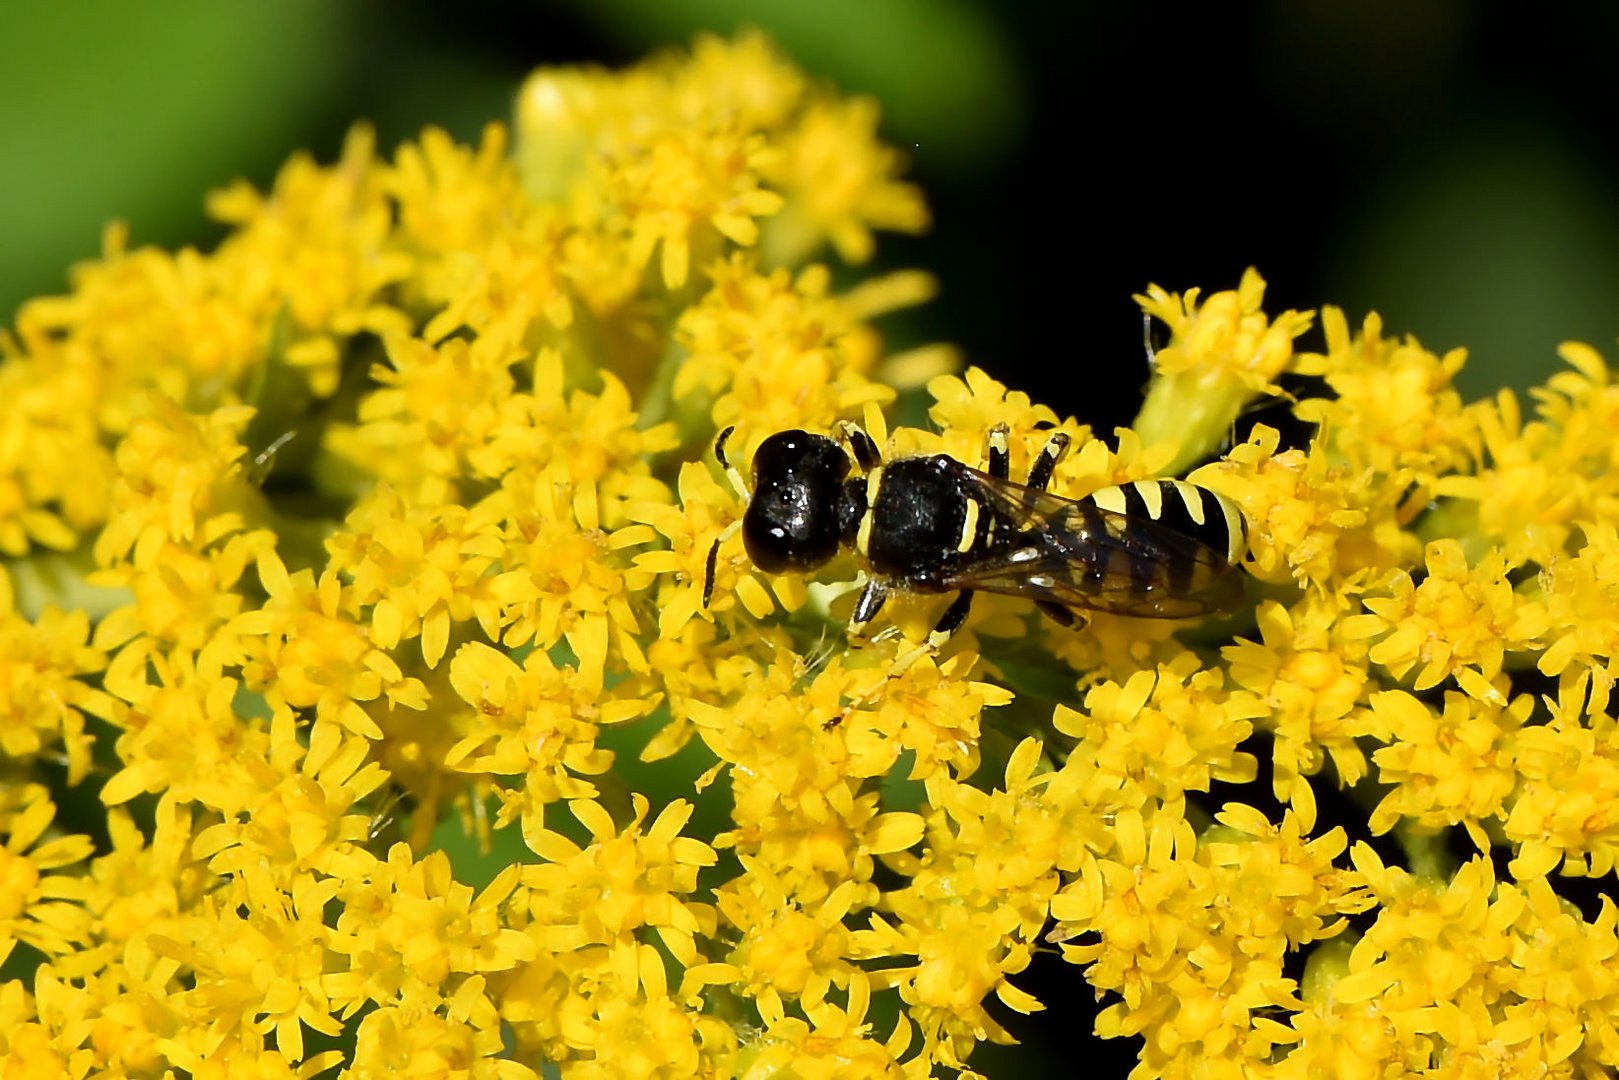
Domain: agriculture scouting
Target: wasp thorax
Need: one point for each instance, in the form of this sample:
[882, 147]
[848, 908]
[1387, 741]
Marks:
[793, 520]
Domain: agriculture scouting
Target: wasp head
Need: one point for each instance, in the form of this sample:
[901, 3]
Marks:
[802, 507]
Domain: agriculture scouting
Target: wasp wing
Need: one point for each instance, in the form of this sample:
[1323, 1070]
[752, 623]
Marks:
[1084, 557]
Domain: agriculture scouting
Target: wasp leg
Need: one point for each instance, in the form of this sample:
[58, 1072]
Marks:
[1040, 476]
[949, 622]
[865, 609]
[1046, 464]
[943, 630]
[865, 450]
[996, 455]
[871, 601]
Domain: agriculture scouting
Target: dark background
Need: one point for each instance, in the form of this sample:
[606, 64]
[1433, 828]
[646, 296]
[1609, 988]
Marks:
[1450, 164]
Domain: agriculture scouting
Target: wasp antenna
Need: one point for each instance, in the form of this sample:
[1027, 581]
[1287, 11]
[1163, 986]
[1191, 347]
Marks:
[731, 471]
[713, 561]
[708, 574]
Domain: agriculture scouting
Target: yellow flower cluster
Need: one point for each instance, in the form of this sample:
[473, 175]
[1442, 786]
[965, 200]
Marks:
[389, 519]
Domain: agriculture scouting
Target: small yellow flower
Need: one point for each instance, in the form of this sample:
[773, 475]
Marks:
[745, 75]
[434, 415]
[970, 917]
[535, 721]
[1471, 972]
[1162, 733]
[44, 692]
[1457, 623]
[305, 648]
[37, 907]
[1564, 979]
[186, 599]
[625, 879]
[691, 528]
[181, 735]
[566, 576]
[797, 764]
[143, 886]
[319, 244]
[260, 964]
[1456, 768]
[1567, 777]
[117, 1021]
[301, 815]
[629, 1024]
[1220, 355]
[139, 328]
[1522, 496]
[785, 951]
[1312, 522]
[1311, 681]
[769, 351]
[834, 1041]
[176, 485]
[684, 190]
[839, 184]
[452, 198]
[414, 935]
[420, 570]
[975, 402]
[1582, 607]
[414, 1040]
[1393, 408]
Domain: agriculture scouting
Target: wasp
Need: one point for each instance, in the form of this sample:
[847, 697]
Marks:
[1161, 549]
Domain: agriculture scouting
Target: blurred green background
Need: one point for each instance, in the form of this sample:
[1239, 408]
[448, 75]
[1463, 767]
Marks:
[1452, 165]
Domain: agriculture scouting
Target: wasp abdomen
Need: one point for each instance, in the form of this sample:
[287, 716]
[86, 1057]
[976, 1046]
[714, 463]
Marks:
[1206, 518]
[1196, 512]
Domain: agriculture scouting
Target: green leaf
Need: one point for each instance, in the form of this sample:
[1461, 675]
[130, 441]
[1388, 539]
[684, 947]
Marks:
[134, 111]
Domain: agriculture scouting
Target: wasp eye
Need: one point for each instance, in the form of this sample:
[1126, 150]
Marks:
[792, 519]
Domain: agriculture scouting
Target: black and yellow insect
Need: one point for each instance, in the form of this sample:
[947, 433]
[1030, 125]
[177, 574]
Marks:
[1164, 549]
